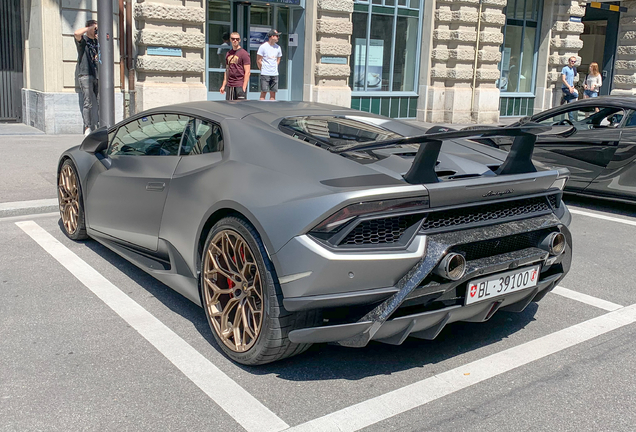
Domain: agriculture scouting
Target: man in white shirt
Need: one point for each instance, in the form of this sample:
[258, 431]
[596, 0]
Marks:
[268, 57]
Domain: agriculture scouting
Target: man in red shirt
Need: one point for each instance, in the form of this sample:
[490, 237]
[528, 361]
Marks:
[237, 70]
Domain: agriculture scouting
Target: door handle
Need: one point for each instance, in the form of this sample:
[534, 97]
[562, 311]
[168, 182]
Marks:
[155, 186]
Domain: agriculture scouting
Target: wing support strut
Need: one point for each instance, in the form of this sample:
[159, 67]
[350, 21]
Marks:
[422, 170]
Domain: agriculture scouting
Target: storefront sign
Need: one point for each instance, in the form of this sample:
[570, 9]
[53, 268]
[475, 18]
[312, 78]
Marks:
[291, 2]
[333, 60]
[373, 76]
[164, 51]
[258, 36]
[575, 19]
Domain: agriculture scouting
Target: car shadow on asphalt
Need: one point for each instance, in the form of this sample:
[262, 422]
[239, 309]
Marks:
[601, 205]
[166, 295]
[328, 362]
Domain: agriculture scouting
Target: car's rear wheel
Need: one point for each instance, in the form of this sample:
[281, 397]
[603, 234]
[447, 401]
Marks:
[242, 298]
[69, 194]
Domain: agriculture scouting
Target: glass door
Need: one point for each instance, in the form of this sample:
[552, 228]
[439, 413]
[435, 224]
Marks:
[219, 27]
[252, 21]
[599, 38]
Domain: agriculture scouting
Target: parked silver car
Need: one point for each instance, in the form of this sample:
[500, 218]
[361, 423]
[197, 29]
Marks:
[299, 223]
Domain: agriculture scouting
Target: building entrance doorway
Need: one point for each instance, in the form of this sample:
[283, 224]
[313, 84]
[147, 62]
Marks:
[252, 21]
[11, 62]
[599, 37]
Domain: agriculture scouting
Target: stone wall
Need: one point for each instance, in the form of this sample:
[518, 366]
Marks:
[163, 79]
[454, 39]
[59, 112]
[625, 67]
[329, 83]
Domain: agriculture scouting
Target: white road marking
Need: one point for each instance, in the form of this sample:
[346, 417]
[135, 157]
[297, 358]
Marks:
[28, 204]
[600, 216]
[587, 299]
[8, 219]
[380, 408]
[242, 406]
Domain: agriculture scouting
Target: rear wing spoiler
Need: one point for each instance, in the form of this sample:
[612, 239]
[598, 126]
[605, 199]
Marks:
[518, 161]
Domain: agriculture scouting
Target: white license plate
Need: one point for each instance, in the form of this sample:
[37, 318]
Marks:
[502, 283]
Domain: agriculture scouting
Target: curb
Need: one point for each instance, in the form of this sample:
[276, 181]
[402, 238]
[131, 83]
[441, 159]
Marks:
[21, 208]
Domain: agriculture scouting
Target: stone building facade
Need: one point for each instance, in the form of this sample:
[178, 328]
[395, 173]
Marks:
[165, 79]
[625, 67]
[439, 61]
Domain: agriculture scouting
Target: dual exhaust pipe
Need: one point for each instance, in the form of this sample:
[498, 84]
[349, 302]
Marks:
[453, 265]
[554, 243]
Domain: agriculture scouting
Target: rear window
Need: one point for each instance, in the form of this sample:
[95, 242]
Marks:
[334, 130]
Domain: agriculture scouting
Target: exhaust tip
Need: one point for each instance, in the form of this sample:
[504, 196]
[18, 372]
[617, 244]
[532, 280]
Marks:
[554, 243]
[557, 245]
[452, 266]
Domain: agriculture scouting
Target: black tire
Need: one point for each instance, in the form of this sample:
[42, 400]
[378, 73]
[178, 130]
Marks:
[71, 201]
[271, 343]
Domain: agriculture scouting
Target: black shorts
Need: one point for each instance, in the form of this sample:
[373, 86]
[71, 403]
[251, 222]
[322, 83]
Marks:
[269, 83]
[234, 93]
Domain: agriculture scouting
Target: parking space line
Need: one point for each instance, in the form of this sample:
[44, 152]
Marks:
[9, 219]
[383, 407]
[17, 208]
[599, 216]
[29, 204]
[248, 411]
[587, 299]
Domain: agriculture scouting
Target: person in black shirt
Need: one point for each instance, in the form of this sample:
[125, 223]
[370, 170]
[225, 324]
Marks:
[88, 60]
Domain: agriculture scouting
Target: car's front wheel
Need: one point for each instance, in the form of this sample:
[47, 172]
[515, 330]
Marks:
[69, 195]
[242, 298]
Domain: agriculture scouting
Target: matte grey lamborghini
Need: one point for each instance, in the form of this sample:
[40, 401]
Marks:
[299, 223]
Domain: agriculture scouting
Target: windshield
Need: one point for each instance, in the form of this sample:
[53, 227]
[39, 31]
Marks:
[334, 130]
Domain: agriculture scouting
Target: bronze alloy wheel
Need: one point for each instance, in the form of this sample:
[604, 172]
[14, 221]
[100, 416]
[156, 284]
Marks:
[68, 195]
[233, 291]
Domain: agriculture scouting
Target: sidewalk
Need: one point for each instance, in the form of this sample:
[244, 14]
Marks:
[503, 121]
[18, 129]
[28, 163]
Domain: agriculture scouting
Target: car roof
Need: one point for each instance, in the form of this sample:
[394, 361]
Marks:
[626, 102]
[242, 109]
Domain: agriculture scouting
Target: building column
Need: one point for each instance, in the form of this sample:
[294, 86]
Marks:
[328, 54]
[565, 42]
[450, 97]
[625, 66]
[51, 98]
[163, 79]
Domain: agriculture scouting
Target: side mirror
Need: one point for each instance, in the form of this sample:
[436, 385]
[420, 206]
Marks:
[96, 141]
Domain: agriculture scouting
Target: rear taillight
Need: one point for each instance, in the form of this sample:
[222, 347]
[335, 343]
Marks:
[347, 214]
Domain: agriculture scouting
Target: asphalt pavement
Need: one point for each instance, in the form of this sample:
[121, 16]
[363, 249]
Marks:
[90, 342]
[28, 160]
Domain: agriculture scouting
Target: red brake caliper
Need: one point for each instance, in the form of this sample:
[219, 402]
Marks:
[230, 284]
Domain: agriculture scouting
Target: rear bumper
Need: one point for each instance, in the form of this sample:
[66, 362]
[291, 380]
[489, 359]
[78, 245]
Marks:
[419, 305]
[425, 325]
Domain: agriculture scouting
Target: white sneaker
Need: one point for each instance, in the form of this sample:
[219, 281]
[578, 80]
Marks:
[87, 131]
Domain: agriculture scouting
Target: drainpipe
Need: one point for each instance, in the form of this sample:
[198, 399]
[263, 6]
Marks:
[122, 54]
[472, 98]
[105, 71]
[129, 58]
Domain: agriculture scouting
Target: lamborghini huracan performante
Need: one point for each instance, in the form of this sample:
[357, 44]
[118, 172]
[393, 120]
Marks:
[294, 223]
